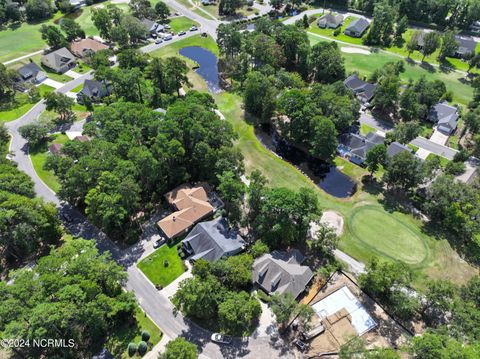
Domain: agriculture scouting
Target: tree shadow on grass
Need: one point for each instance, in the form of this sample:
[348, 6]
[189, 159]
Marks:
[428, 67]
[371, 185]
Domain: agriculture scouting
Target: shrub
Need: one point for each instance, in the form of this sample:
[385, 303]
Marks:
[145, 335]
[264, 297]
[165, 263]
[455, 168]
[132, 349]
[337, 31]
[142, 348]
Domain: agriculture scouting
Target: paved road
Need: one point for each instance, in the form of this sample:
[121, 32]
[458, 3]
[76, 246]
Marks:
[435, 148]
[154, 303]
[355, 266]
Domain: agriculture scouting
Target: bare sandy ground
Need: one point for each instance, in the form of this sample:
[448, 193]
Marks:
[331, 219]
[355, 50]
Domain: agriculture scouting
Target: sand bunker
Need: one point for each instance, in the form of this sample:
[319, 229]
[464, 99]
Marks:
[355, 50]
[334, 220]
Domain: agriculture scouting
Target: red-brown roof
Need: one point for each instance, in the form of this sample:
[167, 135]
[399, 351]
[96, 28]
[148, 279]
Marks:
[79, 47]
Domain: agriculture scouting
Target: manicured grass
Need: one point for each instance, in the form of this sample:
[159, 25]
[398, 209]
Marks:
[182, 23]
[367, 221]
[13, 114]
[77, 89]
[365, 129]
[196, 40]
[435, 257]
[45, 89]
[118, 341]
[443, 160]
[39, 157]
[367, 64]
[155, 270]
[340, 37]
[82, 67]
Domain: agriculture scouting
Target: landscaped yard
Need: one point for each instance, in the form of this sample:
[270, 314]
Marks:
[22, 105]
[365, 129]
[163, 266]
[118, 341]
[341, 36]
[39, 157]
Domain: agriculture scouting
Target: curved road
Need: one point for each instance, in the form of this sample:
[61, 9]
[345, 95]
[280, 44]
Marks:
[153, 302]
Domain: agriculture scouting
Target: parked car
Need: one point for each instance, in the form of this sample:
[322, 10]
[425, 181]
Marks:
[153, 35]
[193, 28]
[159, 242]
[300, 345]
[167, 37]
[181, 33]
[220, 338]
[158, 41]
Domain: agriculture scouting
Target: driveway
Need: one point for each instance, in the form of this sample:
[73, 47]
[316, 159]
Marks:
[435, 148]
[52, 83]
[73, 74]
[439, 137]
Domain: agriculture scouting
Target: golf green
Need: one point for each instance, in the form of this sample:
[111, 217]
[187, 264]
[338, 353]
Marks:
[387, 235]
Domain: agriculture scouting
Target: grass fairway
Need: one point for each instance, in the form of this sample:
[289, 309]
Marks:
[367, 222]
[387, 235]
[367, 64]
[154, 265]
[118, 341]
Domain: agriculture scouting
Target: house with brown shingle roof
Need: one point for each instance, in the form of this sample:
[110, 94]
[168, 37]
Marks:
[191, 205]
[83, 47]
[55, 148]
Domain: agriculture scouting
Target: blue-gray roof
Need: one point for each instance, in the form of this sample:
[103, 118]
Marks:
[444, 115]
[213, 240]
[395, 148]
[359, 26]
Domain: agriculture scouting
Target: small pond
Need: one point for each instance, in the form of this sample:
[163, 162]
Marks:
[208, 65]
[329, 178]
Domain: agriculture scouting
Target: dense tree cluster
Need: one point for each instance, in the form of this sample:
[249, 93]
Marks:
[216, 295]
[136, 155]
[114, 25]
[56, 39]
[179, 348]
[74, 293]
[273, 46]
[448, 13]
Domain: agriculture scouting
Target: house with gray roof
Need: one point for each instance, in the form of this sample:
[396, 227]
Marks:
[281, 272]
[354, 147]
[60, 60]
[29, 73]
[395, 148]
[445, 116]
[150, 25]
[466, 46]
[94, 90]
[363, 90]
[357, 27]
[330, 21]
[212, 240]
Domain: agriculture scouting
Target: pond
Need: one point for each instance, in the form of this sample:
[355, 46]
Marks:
[329, 178]
[208, 63]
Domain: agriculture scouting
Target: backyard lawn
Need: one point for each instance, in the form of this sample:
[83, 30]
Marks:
[195, 40]
[163, 266]
[118, 341]
[340, 37]
[39, 157]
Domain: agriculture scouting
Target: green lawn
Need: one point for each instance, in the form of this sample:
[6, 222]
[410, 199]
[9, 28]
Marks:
[195, 40]
[154, 265]
[365, 129]
[340, 37]
[118, 341]
[22, 104]
[367, 64]
[77, 89]
[427, 256]
[39, 157]
[182, 23]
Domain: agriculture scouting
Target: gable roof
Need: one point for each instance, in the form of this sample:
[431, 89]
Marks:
[213, 240]
[360, 145]
[395, 148]
[93, 88]
[466, 45]
[443, 112]
[29, 71]
[358, 26]
[55, 148]
[362, 89]
[192, 205]
[82, 46]
[150, 25]
[330, 19]
[281, 272]
[58, 58]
